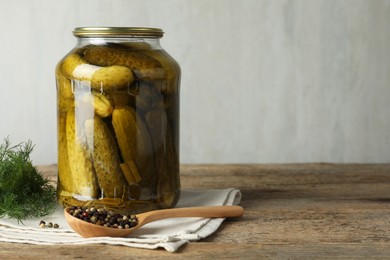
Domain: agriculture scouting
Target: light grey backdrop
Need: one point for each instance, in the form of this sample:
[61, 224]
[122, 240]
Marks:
[263, 81]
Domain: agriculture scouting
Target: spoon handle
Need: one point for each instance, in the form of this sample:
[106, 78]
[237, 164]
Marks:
[205, 212]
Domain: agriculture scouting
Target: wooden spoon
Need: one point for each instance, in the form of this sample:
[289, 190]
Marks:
[86, 229]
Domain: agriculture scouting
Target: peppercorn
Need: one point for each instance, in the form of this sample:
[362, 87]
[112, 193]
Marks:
[103, 217]
[50, 225]
[93, 219]
[56, 225]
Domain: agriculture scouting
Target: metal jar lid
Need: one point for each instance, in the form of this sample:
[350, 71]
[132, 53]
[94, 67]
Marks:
[118, 32]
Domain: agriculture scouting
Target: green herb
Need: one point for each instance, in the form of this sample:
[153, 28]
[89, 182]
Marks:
[24, 191]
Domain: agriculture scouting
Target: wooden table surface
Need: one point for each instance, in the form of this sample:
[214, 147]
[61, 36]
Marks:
[294, 211]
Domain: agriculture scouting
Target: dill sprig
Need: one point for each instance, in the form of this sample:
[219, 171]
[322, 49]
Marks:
[24, 191]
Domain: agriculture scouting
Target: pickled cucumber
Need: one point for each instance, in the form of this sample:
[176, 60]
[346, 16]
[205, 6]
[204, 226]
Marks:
[110, 77]
[143, 66]
[80, 162]
[102, 147]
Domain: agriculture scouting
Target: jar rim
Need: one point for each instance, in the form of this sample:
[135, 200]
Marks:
[140, 32]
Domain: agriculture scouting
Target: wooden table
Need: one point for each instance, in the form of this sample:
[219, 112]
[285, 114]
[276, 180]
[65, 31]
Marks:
[291, 211]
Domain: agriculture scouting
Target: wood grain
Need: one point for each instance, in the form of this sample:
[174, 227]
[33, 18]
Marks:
[291, 211]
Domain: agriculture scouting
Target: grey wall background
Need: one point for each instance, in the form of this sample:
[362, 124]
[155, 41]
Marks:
[263, 81]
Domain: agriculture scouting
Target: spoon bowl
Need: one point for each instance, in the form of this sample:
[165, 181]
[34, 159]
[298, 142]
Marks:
[86, 229]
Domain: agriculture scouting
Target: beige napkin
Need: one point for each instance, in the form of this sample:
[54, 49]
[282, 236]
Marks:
[168, 233]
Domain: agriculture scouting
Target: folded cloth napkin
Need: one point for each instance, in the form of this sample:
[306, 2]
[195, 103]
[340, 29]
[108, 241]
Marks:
[169, 234]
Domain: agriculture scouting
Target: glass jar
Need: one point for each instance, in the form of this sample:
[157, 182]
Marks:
[118, 121]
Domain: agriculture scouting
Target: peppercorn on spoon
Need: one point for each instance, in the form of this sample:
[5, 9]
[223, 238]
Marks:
[86, 229]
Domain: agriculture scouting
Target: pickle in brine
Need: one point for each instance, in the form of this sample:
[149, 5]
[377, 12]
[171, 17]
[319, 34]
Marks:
[108, 78]
[143, 66]
[106, 161]
[134, 143]
[167, 163]
[83, 174]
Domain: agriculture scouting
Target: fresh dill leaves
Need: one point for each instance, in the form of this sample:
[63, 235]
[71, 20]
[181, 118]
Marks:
[24, 191]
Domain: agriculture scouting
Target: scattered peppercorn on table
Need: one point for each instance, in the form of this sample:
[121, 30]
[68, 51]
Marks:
[291, 211]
